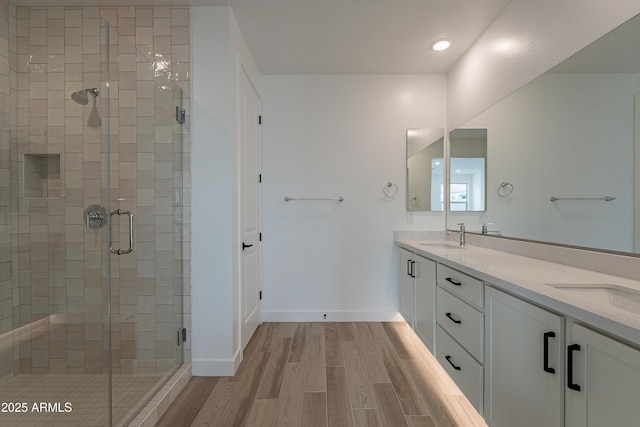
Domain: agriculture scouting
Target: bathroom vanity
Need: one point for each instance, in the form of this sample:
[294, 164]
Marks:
[529, 342]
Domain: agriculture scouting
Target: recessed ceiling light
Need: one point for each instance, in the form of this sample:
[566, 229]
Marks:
[442, 44]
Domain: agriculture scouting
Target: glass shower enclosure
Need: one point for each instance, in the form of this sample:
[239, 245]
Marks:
[93, 231]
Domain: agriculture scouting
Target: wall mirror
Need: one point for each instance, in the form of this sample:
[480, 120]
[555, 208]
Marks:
[562, 151]
[425, 170]
[467, 170]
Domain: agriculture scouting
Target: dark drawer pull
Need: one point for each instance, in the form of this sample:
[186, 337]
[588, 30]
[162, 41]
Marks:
[453, 282]
[456, 321]
[547, 336]
[570, 383]
[457, 368]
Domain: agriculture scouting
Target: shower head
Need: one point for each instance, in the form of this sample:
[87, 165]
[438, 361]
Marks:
[81, 96]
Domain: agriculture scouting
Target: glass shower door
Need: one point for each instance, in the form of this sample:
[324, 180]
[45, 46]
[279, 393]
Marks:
[147, 163]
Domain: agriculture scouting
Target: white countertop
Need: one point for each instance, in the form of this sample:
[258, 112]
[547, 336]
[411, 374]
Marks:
[528, 278]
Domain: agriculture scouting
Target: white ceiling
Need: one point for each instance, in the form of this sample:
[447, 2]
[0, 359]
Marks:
[360, 36]
[346, 36]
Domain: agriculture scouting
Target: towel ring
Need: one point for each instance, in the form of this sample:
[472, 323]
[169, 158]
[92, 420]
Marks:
[505, 189]
[390, 189]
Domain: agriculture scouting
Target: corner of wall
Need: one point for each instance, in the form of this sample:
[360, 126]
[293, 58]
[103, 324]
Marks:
[212, 193]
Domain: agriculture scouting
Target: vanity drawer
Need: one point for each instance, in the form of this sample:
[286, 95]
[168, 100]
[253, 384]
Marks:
[461, 367]
[467, 287]
[462, 321]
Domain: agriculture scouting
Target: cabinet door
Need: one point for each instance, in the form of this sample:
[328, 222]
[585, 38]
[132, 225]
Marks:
[523, 363]
[425, 283]
[406, 286]
[608, 375]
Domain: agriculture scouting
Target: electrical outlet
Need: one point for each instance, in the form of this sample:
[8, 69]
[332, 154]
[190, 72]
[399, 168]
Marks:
[409, 217]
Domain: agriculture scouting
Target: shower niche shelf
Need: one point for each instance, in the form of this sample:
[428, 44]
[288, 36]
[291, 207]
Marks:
[42, 176]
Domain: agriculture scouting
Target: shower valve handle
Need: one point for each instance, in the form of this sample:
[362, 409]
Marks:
[95, 216]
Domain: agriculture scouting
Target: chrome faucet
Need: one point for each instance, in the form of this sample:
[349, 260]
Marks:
[485, 229]
[461, 224]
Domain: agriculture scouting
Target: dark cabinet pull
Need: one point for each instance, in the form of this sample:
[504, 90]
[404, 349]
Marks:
[245, 246]
[570, 383]
[450, 280]
[547, 336]
[456, 321]
[411, 268]
[457, 368]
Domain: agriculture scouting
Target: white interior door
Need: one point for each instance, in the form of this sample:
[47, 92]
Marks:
[250, 208]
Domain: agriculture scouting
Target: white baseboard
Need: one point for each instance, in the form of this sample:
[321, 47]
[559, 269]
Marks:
[331, 316]
[216, 367]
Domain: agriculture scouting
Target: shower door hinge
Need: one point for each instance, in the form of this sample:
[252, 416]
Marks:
[260, 295]
[182, 335]
[260, 236]
[181, 114]
[260, 178]
[259, 120]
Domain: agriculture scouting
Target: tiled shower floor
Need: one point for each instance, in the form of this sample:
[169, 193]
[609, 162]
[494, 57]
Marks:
[87, 394]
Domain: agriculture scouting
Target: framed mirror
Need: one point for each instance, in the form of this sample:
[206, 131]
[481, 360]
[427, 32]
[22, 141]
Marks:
[563, 149]
[425, 170]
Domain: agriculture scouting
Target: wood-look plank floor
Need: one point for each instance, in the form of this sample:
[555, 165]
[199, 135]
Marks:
[313, 374]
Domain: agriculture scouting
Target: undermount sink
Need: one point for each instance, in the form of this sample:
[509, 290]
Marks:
[603, 293]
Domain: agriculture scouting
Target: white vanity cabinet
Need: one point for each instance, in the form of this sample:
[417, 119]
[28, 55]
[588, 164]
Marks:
[603, 380]
[460, 331]
[416, 294]
[531, 370]
[521, 358]
[524, 363]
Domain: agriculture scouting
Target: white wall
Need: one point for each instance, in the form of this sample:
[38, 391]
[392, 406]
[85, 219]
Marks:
[527, 39]
[212, 198]
[329, 136]
[218, 51]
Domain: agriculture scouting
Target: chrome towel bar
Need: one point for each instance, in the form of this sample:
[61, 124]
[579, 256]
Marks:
[606, 199]
[332, 199]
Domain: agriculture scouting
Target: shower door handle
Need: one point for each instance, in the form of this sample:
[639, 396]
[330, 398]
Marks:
[130, 215]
